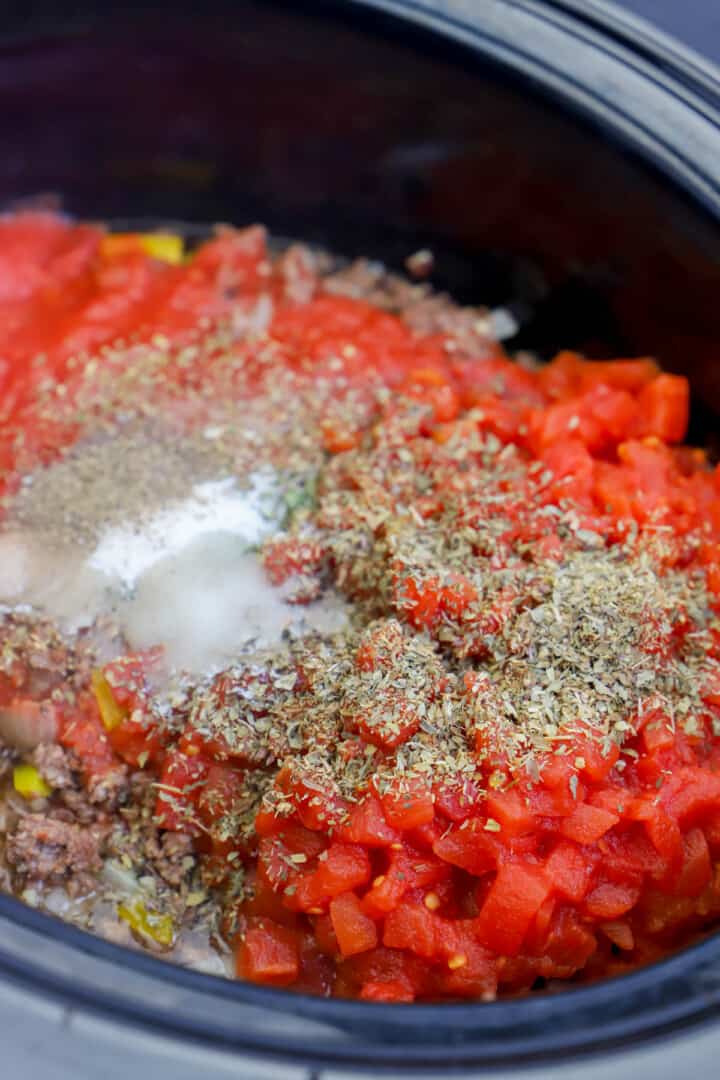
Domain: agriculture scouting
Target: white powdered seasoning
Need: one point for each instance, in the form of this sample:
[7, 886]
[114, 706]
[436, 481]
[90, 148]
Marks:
[160, 533]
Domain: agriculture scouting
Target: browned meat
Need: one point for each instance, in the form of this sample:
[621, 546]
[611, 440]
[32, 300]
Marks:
[34, 657]
[469, 328]
[109, 789]
[8, 757]
[58, 767]
[39, 668]
[364, 279]
[425, 311]
[47, 849]
[61, 770]
[171, 855]
[420, 264]
[299, 273]
[167, 855]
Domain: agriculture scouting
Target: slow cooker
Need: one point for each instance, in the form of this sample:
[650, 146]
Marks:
[562, 160]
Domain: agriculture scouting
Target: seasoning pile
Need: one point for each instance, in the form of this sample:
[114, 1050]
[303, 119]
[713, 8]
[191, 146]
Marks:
[497, 767]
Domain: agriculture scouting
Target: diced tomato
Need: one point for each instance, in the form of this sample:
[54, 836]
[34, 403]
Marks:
[268, 953]
[220, 794]
[419, 601]
[597, 761]
[343, 868]
[657, 734]
[389, 721]
[629, 375]
[286, 557]
[609, 900]
[411, 926]
[662, 830]
[129, 676]
[82, 732]
[510, 906]
[663, 408]
[387, 990]
[179, 787]
[696, 870]
[457, 596]
[692, 793]
[475, 851]
[263, 900]
[587, 824]
[409, 806]
[570, 870]
[138, 739]
[355, 932]
[368, 825]
[511, 810]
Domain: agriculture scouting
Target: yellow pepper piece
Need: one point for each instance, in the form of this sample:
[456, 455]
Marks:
[111, 713]
[28, 782]
[166, 247]
[148, 923]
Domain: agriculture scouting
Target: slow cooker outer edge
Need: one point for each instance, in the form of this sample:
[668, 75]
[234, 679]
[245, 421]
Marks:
[683, 139]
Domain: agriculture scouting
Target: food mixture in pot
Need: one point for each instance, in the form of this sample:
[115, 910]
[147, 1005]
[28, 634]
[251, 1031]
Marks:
[340, 651]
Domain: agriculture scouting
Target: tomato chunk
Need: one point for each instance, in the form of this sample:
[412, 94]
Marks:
[268, 953]
[355, 932]
[513, 901]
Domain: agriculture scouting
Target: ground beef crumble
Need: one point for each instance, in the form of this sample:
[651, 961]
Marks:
[58, 767]
[7, 758]
[35, 658]
[110, 789]
[51, 850]
[468, 329]
[171, 856]
[139, 844]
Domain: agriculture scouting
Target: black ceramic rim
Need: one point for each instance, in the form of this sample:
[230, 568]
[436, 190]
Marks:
[635, 84]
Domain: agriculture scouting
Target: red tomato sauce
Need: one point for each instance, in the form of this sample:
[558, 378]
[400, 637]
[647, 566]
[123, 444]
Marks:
[416, 885]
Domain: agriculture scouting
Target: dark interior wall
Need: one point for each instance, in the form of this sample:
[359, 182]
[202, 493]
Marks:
[366, 142]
